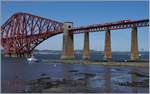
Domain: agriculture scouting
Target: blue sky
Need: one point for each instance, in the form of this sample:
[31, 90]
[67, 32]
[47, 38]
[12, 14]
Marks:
[85, 13]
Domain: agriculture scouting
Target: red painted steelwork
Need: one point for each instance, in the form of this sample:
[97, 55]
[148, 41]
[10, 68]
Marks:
[22, 32]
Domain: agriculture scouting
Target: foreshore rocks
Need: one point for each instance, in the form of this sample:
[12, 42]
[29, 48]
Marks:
[45, 84]
[144, 83]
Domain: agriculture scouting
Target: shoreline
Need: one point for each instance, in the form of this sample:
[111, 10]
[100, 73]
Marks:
[103, 63]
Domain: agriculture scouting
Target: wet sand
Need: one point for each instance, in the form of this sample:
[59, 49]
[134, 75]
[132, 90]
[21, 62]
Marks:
[107, 63]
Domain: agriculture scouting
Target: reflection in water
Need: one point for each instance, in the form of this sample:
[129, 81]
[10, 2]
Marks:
[65, 70]
[86, 69]
[107, 77]
[134, 78]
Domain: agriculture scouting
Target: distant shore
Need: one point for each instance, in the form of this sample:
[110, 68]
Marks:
[108, 63]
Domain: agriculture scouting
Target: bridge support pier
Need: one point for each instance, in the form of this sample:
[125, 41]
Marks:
[86, 50]
[107, 49]
[134, 44]
[68, 46]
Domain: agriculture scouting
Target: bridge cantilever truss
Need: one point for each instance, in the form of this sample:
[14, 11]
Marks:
[22, 32]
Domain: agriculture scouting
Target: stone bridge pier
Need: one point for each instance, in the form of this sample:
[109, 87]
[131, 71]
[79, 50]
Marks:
[68, 45]
[107, 49]
[86, 49]
[134, 44]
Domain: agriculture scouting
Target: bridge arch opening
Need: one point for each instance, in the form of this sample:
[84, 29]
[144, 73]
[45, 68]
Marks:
[78, 45]
[97, 43]
[121, 40]
[143, 39]
[52, 45]
[121, 44]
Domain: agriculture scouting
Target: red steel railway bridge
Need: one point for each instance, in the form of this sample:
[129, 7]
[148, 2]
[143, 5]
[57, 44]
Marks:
[22, 32]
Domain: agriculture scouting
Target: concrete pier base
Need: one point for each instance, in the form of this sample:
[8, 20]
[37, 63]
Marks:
[134, 44]
[68, 46]
[86, 51]
[107, 49]
[67, 57]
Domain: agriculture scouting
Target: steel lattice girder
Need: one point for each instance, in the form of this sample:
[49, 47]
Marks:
[22, 32]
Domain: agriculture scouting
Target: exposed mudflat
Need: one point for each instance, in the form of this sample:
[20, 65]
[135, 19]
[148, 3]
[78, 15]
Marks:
[73, 76]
